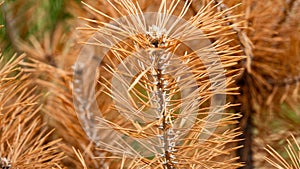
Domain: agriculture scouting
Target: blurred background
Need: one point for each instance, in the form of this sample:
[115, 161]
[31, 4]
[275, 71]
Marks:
[268, 34]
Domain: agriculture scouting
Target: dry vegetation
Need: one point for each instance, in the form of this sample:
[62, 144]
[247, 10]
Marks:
[45, 121]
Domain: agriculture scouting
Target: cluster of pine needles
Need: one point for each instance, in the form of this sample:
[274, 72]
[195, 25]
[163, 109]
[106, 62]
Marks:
[236, 106]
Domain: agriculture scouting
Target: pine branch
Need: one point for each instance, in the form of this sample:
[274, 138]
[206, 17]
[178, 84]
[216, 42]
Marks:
[145, 110]
[23, 141]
